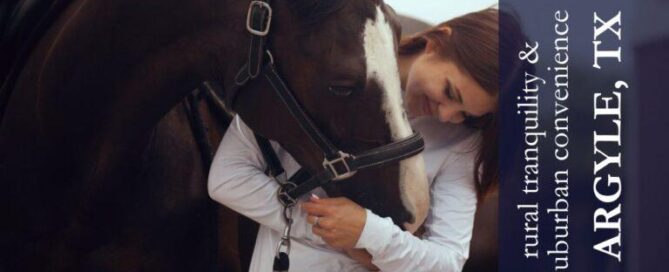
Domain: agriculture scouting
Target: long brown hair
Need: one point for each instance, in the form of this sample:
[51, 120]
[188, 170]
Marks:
[473, 45]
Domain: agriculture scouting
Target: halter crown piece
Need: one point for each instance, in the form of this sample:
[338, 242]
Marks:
[337, 164]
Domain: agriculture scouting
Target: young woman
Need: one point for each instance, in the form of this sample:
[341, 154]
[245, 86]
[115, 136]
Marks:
[450, 77]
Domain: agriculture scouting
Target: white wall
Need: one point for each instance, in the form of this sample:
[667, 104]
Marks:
[437, 11]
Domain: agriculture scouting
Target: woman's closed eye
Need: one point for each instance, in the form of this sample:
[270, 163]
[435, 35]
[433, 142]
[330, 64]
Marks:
[449, 91]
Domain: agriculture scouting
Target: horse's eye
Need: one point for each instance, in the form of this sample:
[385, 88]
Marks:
[341, 90]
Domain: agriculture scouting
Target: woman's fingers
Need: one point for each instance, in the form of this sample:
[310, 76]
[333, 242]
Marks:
[333, 201]
[339, 221]
[323, 222]
[323, 233]
[311, 219]
[316, 208]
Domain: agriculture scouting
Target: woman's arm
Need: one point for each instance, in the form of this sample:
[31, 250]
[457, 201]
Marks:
[445, 244]
[362, 257]
[237, 180]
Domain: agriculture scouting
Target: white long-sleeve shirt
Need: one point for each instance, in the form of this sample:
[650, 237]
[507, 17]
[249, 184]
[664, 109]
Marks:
[237, 180]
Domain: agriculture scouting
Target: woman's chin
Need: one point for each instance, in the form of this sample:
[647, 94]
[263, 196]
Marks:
[418, 114]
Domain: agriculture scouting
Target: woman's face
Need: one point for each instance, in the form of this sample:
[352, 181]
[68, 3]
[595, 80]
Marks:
[437, 87]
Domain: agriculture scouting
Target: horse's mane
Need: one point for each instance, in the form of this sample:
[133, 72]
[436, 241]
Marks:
[312, 11]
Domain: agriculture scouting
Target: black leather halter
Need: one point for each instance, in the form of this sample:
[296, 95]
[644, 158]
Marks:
[337, 165]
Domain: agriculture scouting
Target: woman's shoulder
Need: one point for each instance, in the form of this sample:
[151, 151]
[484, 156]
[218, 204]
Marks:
[450, 150]
[450, 138]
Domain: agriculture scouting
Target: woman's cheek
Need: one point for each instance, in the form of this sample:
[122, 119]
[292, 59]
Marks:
[414, 101]
[434, 108]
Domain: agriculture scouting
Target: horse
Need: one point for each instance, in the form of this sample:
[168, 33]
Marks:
[100, 171]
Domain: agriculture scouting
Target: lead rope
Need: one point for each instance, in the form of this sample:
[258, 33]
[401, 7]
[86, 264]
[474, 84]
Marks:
[281, 259]
[275, 171]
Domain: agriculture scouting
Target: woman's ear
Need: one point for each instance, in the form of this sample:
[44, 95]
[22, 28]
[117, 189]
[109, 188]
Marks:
[430, 47]
[446, 29]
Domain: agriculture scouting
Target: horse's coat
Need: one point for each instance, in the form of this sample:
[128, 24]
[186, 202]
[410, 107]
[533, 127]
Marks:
[97, 176]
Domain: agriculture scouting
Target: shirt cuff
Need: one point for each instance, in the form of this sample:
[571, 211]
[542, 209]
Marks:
[376, 234]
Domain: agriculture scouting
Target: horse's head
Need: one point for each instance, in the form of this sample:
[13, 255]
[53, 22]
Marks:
[339, 58]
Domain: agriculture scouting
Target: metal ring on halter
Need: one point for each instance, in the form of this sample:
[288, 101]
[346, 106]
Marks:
[284, 198]
[316, 221]
[280, 179]
[270, 56]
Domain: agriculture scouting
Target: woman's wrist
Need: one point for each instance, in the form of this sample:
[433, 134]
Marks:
[376, 233]
[363, 257]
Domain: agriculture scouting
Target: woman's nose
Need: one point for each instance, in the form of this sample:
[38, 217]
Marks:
[450, 114]
[458, 118]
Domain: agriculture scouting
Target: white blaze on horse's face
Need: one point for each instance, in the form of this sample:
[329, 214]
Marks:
[382, 67]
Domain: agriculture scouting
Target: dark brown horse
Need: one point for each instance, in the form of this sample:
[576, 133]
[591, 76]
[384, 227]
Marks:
[97, 176]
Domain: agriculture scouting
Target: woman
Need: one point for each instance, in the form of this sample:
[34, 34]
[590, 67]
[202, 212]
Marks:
[450, 77]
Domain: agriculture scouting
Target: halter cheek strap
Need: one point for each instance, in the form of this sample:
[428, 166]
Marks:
[258, 23]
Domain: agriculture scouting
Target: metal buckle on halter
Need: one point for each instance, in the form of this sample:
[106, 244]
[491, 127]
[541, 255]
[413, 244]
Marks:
[332, 166]
[264, 29]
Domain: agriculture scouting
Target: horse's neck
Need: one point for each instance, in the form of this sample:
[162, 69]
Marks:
[108, 71]
[143, 59]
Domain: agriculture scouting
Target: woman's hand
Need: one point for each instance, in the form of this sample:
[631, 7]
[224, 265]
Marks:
[339, 221]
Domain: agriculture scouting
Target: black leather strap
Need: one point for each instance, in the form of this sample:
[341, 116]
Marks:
[379, 156]
[295, 109]
[395, 151]
[274, 167]
[314, 182]
[199, 129]
[259, 20]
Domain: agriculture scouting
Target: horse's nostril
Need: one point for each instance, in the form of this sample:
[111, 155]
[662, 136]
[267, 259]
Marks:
[403, 218]
[411, 218]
